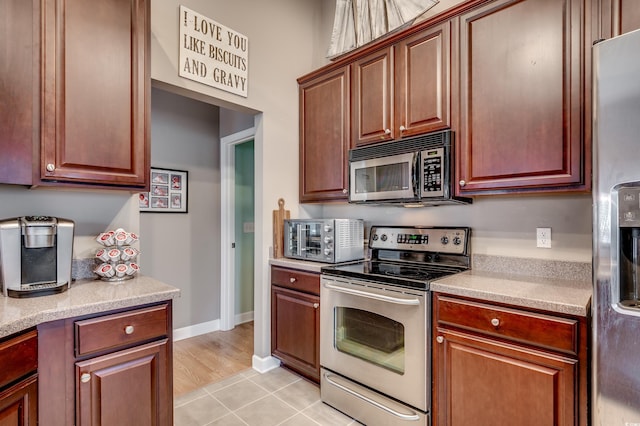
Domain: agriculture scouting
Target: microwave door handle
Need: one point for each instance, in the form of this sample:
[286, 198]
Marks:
[415, 173]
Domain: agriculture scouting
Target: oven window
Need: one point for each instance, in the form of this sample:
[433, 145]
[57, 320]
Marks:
[312, 233]
[371, 337]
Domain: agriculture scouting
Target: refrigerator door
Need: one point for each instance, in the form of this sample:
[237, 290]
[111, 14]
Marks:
[616, 156]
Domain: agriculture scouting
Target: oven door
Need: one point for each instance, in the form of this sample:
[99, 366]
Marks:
[377, 335]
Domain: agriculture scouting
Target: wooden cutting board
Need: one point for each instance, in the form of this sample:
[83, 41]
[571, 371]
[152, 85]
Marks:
[278, 229]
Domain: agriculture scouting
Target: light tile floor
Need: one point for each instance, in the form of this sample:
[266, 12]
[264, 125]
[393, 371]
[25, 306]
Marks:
[249, 398]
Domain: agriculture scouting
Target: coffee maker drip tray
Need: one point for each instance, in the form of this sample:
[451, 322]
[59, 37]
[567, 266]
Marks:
[37, 289]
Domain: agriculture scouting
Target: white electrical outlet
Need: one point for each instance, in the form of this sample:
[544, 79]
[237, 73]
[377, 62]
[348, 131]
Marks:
[543, 237]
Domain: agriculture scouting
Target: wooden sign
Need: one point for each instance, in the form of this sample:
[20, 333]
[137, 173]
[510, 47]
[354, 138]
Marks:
[213, 54]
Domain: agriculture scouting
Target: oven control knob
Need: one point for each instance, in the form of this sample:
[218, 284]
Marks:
[444, 240]
[384, 237]
[456, 241]
[375, 237]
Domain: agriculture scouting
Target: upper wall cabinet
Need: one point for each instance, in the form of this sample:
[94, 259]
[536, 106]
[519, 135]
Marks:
[422, 81]
[96, 92]
[402, 90]
[324, 136]
[80, 114]
[619, 17]
[524, 104]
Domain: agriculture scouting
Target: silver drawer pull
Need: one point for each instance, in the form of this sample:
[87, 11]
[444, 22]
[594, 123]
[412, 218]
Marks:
[382, 297]
[316, 305]
[495, 322]
[402, 416]
[439, 339]
[85, 377]
[292, 280]
[129, 329]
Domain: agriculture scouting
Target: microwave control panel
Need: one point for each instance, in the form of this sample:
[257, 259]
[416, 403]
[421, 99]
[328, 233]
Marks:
[432, 172]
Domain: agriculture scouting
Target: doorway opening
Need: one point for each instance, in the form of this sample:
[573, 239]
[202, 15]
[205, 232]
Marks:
[237, 165]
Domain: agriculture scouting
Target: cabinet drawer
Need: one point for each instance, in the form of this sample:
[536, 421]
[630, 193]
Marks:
[18, 357]
[124, 328]
[527, 327]
[308, 282]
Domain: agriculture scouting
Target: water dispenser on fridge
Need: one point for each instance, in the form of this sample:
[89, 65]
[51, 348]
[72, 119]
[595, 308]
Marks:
[629, 246]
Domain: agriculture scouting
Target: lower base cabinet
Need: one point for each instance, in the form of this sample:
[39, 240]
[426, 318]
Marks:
[295, 320]
[124, 385]
[500, 366]
[109, 369]
[19, 403]
[19, 380]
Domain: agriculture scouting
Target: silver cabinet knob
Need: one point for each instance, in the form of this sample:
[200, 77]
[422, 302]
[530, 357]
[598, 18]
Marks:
[402, 128]
[129, 329]
[85, 377]
[463, 183]
[316, 305]
[495, 322]
[387, 131]
[345, 190]
[439, 339]
[292, 280]
[51, 167]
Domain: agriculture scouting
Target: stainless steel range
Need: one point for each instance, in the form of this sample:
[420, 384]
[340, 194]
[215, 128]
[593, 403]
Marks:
[375, 316]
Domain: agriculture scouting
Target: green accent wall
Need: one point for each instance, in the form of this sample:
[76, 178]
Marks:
[244, 225]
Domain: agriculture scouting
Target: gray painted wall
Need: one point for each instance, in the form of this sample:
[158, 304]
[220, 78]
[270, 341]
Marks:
[184, 249]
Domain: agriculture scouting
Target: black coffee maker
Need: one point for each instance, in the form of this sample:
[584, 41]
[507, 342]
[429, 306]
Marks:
[35, 255]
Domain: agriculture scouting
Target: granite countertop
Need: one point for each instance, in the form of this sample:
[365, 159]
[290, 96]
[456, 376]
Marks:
[301, 265]
[550, 294]
[84, 297]
[556, 286]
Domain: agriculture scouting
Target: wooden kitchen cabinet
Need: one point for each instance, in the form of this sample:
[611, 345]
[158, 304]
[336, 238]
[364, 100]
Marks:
[501, 365]
[19, 380]
[619, 17]
[112, 368]
[524, 97]
[422, 81]
[77, 92]
[295, 320]
[324, 136]
[404, 89]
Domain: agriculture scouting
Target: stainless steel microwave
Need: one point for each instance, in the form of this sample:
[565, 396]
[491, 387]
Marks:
[415, 171]
[324, 240]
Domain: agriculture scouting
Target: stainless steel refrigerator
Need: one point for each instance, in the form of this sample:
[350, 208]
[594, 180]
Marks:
[616, 232]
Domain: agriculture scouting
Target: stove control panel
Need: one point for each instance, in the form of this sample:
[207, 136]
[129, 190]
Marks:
[437, 240]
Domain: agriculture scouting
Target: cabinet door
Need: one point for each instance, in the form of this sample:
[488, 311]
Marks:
[523, 98]
[95, 97]
[19, 403]
[478, 381]
[19, 26]
[130, 387]
[619, 17]
[422, 81]
[295, 330]
[324, 137]
[372, 98]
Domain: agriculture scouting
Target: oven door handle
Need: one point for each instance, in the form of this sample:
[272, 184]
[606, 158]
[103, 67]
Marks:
[407, 417]
[382, 297]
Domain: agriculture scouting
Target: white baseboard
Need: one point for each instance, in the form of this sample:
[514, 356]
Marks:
[196, 330]
[243, 317]
[262, 365]
[207, 327]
